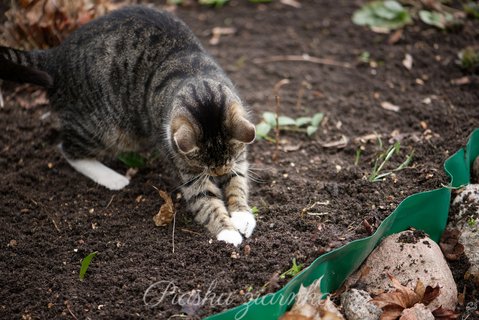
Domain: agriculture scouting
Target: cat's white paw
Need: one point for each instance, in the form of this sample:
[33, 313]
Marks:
[114, 182]
[230, 236]
[244, 221]
[99, 173]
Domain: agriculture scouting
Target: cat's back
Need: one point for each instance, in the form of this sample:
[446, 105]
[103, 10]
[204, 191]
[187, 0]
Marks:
[126, 34]
[132, 23]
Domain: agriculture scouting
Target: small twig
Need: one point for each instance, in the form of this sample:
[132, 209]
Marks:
[2, 103]
[276, 130]
[302, 58]
[190, 231]
[111, 200]
[173, 233]
[55, 224]
[71, 312]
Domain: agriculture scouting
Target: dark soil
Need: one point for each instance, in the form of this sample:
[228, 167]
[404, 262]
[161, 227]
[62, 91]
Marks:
[51, 217]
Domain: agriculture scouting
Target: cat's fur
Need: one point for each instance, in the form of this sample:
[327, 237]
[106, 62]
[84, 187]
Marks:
[138, 78]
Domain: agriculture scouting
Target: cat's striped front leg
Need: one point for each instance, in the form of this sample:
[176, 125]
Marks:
[236, 194]
[205, 202]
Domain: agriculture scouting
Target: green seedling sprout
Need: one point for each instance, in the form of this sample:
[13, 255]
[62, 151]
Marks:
[255, 210]
[386, 15]
[215, 3]
[293, 271]
[132, 159]
[85, 263]
[471, 222]
[308, 125]
[383, 158]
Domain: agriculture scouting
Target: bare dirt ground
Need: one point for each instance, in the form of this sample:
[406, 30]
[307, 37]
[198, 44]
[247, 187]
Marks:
[51, 217]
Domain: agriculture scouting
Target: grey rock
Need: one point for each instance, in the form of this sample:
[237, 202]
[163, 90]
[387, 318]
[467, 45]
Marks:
[356, 306]
[408, 256]
[418, 311]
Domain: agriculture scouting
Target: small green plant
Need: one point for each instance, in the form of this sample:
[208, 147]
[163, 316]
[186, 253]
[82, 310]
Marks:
[471, 222]
[85, 263]
[437, 19]
[293, 271]
[386, 15]
[365, 57]
[132, 159]
[469, 59]
[308, 125]
[383, 158]
[255, 210]
[472, 9]
[214, 3]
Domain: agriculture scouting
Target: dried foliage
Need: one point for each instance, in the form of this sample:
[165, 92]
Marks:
[40, 24]
[167, 210]
[310, 305]
[445, 314]
[394, 302]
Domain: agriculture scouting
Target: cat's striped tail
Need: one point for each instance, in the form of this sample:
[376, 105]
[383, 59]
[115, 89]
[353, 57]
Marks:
[24, 66]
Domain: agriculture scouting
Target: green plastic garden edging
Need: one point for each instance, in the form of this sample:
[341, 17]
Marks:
[426, 211]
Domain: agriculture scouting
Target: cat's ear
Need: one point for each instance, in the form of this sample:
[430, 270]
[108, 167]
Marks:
[185, 138]
[241, 129]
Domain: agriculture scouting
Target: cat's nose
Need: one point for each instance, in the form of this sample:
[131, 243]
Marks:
[220, 171]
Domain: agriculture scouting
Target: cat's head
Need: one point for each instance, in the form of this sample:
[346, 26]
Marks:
[210, 131]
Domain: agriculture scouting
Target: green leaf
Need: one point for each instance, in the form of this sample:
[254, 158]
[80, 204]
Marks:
[317, 118]
[132, 159]
[216, 3]
[286, 121]
[387, 15]
[255, 210]
[472, 9]
[301, 121]
[270, 118]
[85, 263]
[262, 130]
[293, 271]
[310, 130]
[436, 19]
[393, 6]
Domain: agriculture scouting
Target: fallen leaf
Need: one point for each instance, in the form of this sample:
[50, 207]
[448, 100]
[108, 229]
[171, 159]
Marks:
[167, 210]
[389, 106]
[430, 294]
[341, 143]
[395, 37]
[292, 3]
[407, 61]
[461, 81]
[445, 314]
[217, 32]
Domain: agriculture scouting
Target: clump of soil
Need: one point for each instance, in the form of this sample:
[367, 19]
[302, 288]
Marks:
[56, 217]
[412, 236]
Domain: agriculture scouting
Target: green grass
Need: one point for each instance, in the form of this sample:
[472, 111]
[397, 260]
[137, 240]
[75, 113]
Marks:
[85, 263]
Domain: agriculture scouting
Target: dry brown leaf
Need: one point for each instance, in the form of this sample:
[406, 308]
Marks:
[294, 316]
[450, 246]
[395, 37]
[430, 294]
[407, 61]
[389, 106]
[217, 32]
[445, 314]
[167, 210]
[39, 24]
[341, 143]
[461, 81]
[394, 302]
[403, 296]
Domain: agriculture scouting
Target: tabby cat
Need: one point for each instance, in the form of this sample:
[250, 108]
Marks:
[138, 78]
